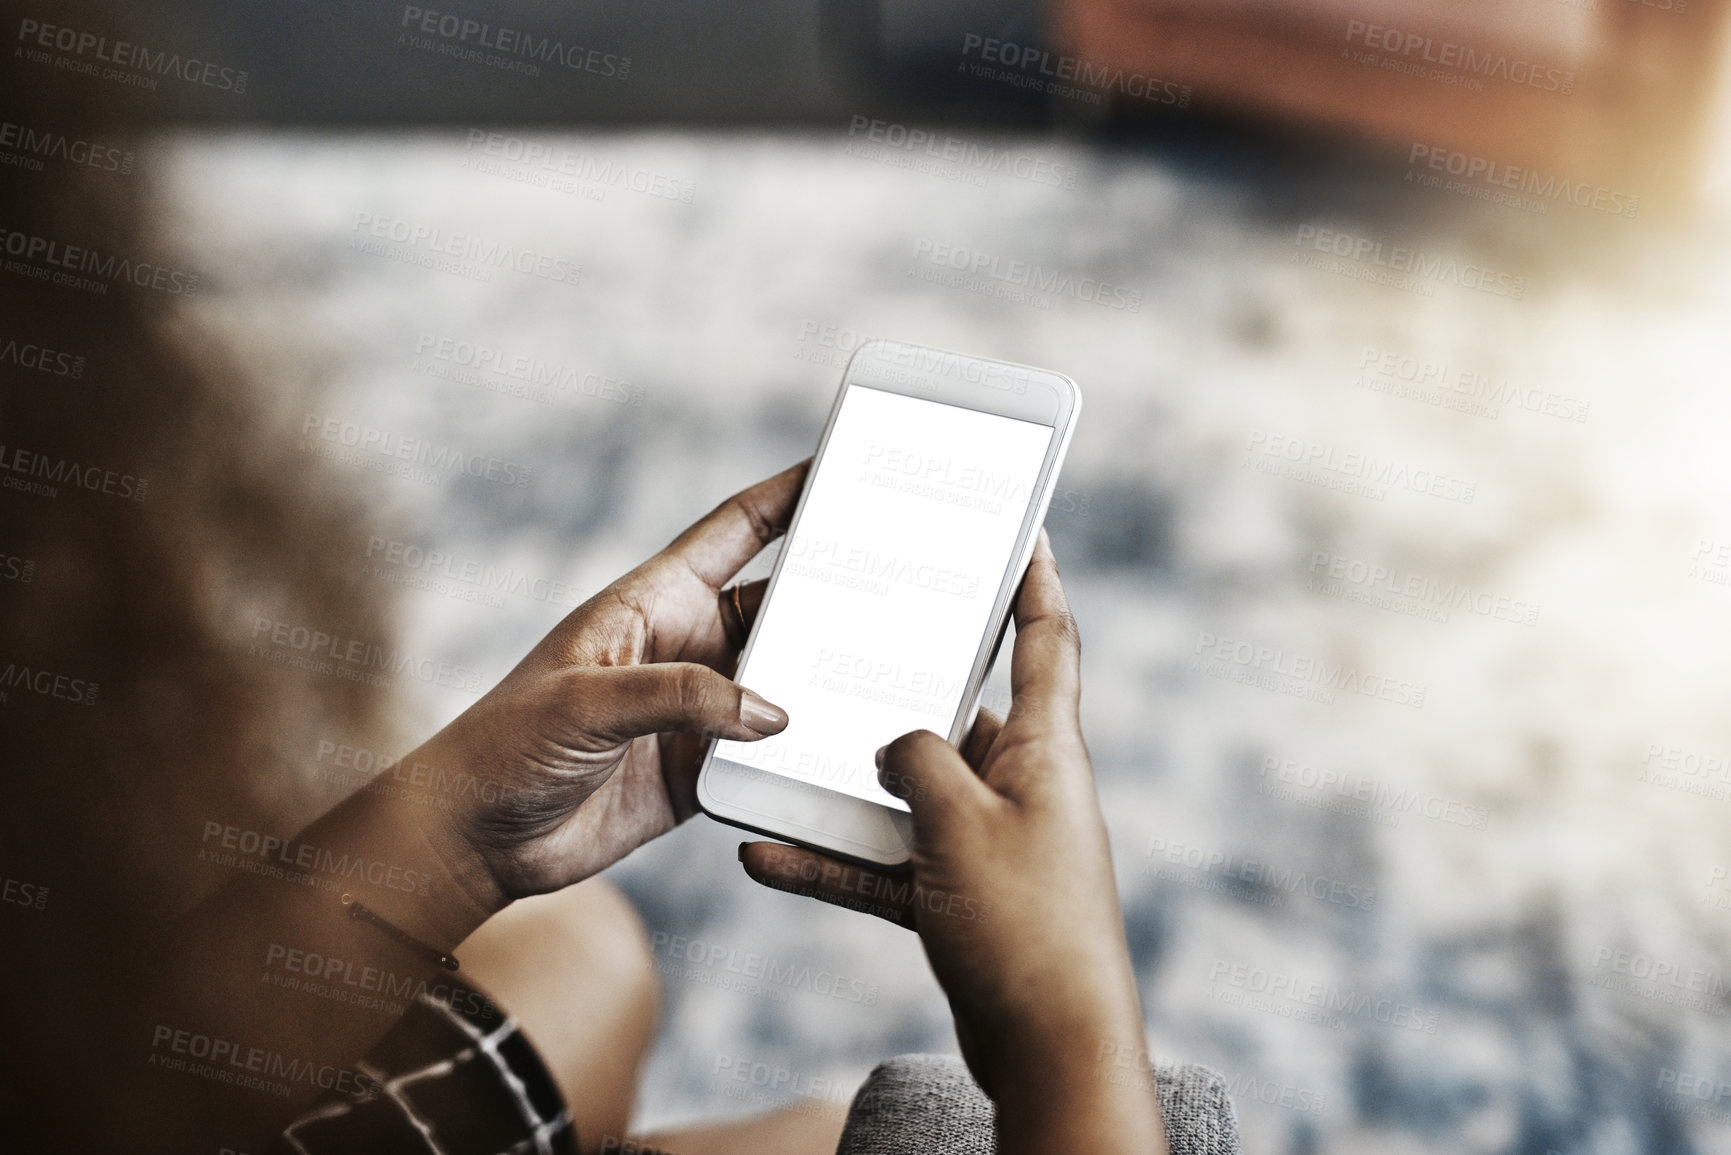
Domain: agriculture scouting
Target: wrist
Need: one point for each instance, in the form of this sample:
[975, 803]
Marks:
[460, 870]
[1099, 1120]
[409, 864]
[456, 829]
[1078, 1054]
[1072, 1031]
[1090, 1088]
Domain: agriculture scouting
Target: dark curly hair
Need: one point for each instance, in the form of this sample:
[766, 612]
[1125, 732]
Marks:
[148, 504]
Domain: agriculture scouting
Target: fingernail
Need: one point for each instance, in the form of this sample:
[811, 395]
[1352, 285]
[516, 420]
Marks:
[742, 847]
[759, 715]
[878, 758]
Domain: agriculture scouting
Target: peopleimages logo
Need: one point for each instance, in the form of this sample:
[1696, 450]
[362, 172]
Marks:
[720, 965]
[1034, 64]
[530, 162]
[1397, 265]
[36, 36]
[79, 259]
[511, 48]
[411, 565]
[1519, 180]
[923, 150]
[878, 679]
[1685, 1085]
[1360, 797]
[227, 1061]
[539, 379]
[1278, 989]
[808, 552]
[1454, 63]
[746, 1079]
[987, 272]
[41, 474]
[1436, 382]
[1656, 975]
[305, 647]
[16, 891]
[1300, 675]
[348, 766]
[37, 144]
[251, 849]
[1257, 874]
[47, 684]
[29, 355]
[361, 985]
[935, 362]
[1390, 587]
[429, 244]
[1276, 1094]
[952, 473]
[1350, 471]
[418, 450]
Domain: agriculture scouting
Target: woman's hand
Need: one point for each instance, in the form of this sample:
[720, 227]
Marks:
[1013, 896]
[590, 747]
[587, 749]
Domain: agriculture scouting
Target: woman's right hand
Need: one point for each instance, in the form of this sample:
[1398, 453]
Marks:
[1013, 896]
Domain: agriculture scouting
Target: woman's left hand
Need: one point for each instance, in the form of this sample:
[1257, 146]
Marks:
[590, 747]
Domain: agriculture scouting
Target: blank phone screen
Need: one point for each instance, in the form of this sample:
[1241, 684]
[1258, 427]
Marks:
[888, 583]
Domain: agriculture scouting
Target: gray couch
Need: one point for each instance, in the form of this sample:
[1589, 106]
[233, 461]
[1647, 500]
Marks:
[930, 1105]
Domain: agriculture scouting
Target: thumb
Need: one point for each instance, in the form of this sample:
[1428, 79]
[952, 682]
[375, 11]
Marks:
[614, 704]
[940, 788]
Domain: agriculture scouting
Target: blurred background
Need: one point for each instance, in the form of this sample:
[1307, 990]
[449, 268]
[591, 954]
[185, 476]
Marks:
[1423, 376]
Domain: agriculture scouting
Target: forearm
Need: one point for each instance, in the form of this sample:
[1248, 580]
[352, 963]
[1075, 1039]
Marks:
[270, 984]
[1074, 1103]
[1085, 1123]
[1072, 1073]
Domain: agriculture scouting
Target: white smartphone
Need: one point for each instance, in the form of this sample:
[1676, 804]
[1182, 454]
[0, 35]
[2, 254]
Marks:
[890, 595]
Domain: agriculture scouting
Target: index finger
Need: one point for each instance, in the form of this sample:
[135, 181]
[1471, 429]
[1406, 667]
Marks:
[731, 534]
[796, 870]
[1046, 665]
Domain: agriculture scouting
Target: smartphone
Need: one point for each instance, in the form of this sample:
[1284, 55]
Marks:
[892, 590]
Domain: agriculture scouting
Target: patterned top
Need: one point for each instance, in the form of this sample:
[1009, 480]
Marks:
[444, 1081]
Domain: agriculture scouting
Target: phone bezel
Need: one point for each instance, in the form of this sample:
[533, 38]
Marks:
[828, 820]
